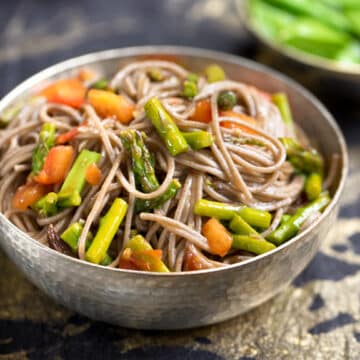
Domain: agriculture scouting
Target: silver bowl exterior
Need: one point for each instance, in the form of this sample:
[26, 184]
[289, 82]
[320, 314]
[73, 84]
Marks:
[191, 299]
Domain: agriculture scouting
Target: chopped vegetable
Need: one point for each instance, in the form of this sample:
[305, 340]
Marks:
[214, 73]
[28, 194]
[166, 127]
[46, 142]
[146, 205]
[233, 125]
[70, 192]
[139, 255]
[101, 84]
[202, 111]
[223, 211]
[226, 100]
[141, 159]
[47, 205]
[198, 139]
[190, 89]
[313, 186]
[290, 228]
[56, 165]
[155, 74]
[93, 174]
[239, 226]
[282, 103]
[192, 262]
[219, 239]
[68, 136]
[108, 227]
[252, 244]
[10, 113]
[69, 92]
[108, 104]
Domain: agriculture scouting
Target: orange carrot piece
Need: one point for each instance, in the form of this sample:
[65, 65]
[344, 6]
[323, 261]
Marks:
[202, 111]
[232, 125]
[56, 165]
[65, 91]
[192, 262]
[93, 174]
[66, 137]
[218, 237]
[28, 194]
[108, 104]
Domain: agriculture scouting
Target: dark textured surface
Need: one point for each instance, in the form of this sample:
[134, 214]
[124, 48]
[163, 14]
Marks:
[36, 34]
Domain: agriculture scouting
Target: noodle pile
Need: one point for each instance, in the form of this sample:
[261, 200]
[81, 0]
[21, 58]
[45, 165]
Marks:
[244, 165]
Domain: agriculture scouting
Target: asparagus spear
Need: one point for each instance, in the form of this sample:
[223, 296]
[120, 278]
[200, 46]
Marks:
[9, 113]
[307, 161]
[282, 103]
[190, 89]
[198, 139]
[290, 228]
[252, 244]
[214, 73]
[313, 186]
[141, 253]
[47, 205]
[108, 227]
[222, 211]
[72, 235]
[46, 142]
[70, 192]
[239, 226]
[226, 100]
[166, 127]
[150, 204]
[101, 84]
[141, 159]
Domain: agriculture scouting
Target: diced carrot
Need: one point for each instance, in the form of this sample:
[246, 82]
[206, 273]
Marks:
[56, 165]
[108, 104]
[65, 91]
[202, 111]
[28, 194]
[192, 262]
[219, 239]
[66, 137]
[93, 174]
[127, 264]
[233, 125]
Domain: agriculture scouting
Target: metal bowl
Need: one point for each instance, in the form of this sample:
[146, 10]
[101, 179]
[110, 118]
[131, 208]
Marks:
[179, 300]
[320, 74]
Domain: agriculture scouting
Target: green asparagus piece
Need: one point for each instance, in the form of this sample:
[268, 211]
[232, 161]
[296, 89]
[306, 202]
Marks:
[9, 113]
[252, 244]
[151, 204]
[46, 142]
[156, 74]
[193, 77]
[141, 159]
[239, 226]
[198, 139]
[139, 246]
[226, 100]
[222, 211]
[290, 228]
[72, 235]
[166, 127]
[282, 103]
[353, 17]
[108, 227]
[70, 192]
[101, 84]
[285, 218]
[307, 161]
[214, 73]
[47, 205]
[313, 186]
[190, 89]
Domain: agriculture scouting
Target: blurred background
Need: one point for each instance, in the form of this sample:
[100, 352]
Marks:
[317, 317]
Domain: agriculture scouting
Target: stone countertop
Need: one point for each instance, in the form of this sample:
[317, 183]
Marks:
[317, 317]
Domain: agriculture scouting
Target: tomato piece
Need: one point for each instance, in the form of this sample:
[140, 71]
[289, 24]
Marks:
[66, 137]
[28, 194]
[202, 111]
[127, 264]
[108, 104]
[65, 91]
[233, 125]
[56, 165]
[93, 174]
[219, 239]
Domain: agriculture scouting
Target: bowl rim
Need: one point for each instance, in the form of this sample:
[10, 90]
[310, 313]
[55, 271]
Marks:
[318, 62]
[113, 54]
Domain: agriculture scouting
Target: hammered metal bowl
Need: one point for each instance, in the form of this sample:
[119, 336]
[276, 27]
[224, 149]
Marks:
[179, 300]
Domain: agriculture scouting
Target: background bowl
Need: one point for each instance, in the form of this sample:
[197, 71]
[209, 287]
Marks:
[320, 74]
[179, 300]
